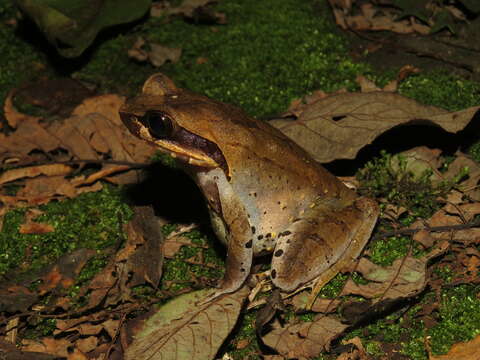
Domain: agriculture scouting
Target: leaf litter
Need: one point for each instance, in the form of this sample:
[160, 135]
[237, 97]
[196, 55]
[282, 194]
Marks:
[37, 154]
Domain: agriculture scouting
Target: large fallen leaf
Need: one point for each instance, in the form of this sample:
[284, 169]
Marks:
[71, 26]
[182, 329]
[304, 339]
[338, 126]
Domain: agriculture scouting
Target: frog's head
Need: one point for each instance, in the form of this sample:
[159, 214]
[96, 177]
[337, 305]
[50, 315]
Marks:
[188, 126]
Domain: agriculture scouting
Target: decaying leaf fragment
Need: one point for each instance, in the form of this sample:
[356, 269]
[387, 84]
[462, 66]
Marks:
[157, 55]
[304, 339]
[338, 126]
[182, 329]
[138, 262]
[404, 278]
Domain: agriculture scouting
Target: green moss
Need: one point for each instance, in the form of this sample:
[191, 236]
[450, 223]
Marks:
[474, 151]
[91, 268]
[91, 220]
[445, 273]
[334, 286]
[245, 331]
[39, 327]
[165, 159]
[391, 329]
[260, 60]
[388, 177]
[385, 251]
[441, 89]
[179, 273]
[459, 318]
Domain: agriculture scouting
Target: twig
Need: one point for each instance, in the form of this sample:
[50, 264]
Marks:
[432, 229]
[82, 161]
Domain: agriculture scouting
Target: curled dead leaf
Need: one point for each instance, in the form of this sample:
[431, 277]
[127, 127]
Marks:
[338, 126]
[304, 339]
[33, 171]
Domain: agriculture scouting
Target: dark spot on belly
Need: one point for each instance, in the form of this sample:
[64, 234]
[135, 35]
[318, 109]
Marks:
[278, 253]
[274, 274]
[249, 244]
[253, 229]
[260, 237]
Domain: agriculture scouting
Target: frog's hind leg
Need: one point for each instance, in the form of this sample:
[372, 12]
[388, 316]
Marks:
[326, 238]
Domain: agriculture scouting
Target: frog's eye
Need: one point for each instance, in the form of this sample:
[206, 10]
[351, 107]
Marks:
[158, 123]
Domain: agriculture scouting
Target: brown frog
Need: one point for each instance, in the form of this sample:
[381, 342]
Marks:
[264, 192]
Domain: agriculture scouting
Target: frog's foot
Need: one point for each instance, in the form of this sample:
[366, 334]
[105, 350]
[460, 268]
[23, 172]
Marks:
[324, 240]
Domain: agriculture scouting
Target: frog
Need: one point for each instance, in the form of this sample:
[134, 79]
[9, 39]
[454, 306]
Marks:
[265, 194]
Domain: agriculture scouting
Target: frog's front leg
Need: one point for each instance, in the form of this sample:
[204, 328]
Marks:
[323, 240]
[239, 239]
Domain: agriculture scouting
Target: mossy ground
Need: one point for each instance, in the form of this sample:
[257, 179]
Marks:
[260, 60]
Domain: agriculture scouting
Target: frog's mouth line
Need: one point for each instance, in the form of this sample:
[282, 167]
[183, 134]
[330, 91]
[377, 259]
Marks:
[187, 155]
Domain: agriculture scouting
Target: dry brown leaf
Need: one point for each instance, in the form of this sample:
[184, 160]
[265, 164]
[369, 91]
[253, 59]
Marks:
[174, 243]
[29, 135]
[184, 329]
[366, 85]
[47, 345]
[144, 264]
[338, 126]
[321, 305]
[10, 351]
[87, 344]
[356, 354]
[304, 339]
[157, 54]
[425, 238]
[404, 278]
[76, 354]
[35, 228]
[442, 218]
[467, 211]
[13, 116]
[33, 171]
[368, 17]
[64, 272]
[94, 132]
[138, 262]
[189, 9]
[469, 350]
